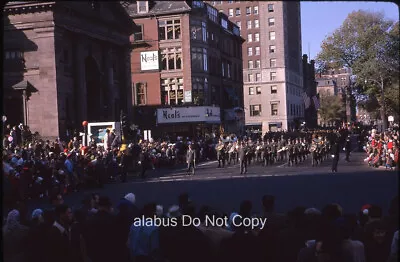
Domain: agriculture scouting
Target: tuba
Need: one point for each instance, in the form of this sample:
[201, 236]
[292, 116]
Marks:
[220, 147]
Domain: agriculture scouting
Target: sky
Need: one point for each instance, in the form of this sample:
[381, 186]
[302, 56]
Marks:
[320, 19]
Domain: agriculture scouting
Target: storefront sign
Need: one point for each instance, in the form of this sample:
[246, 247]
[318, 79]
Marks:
[188, 96]
[149, 60]
[206, 114]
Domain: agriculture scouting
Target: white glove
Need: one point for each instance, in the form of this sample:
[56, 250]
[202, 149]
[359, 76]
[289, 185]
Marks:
[139, 162]
[333, 156]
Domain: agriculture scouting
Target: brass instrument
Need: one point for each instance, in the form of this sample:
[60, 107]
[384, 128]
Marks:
[220, 147]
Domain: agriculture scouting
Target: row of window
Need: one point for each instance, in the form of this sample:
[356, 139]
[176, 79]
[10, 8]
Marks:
[250, 77]
[272, 49]
[255, 110]
[295, 110]
[257, 64]
[256, 22]
[256, 37]
[13, 55]
[248, 11]
[257, 90]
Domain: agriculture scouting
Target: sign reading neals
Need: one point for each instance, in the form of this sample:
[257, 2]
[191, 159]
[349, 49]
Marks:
[149, 60]
[206, 114]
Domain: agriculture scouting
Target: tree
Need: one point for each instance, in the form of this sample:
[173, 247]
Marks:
[366, 42]
[331, 108]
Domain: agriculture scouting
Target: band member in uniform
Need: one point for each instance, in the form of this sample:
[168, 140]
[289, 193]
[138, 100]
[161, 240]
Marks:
[123, 165]
[274, 150]
[243, 154]
[220, 148]
[267, 153]
[313, 150]
[347, 148]
[232, 153]
[291, 153]
[335, 155]
[191, 160]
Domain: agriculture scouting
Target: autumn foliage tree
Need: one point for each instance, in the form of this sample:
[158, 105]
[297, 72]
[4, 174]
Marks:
[369, 44]
[331, 109]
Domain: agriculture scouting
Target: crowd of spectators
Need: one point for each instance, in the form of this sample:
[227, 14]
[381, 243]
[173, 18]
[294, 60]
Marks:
[382, 149]
[97, 231]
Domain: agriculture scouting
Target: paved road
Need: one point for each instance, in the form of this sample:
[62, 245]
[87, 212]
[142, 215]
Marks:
[353, 186]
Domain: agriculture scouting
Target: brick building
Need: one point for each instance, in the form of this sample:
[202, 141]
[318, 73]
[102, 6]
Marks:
[186, 69]
[343, 81]
[272, 61]
[65, 62]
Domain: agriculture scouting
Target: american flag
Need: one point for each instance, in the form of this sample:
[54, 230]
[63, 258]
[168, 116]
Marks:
[307, 100]
[316, 102]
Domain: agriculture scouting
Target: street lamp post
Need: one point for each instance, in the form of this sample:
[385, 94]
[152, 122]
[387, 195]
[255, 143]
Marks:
[383, 105]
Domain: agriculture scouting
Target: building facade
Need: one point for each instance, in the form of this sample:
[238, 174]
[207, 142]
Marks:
[186, 69]
[272, 61]
[65, 62]
[310, 90]
[344, 83]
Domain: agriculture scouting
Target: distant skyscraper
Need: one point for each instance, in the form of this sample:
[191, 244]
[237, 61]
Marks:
[272, 62]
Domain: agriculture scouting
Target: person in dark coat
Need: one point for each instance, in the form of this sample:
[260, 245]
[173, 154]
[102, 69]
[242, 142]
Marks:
[100, 233]
[37, 237]
[191, 160]
[144, 162]
[335, 155]
[123, 165]
[243, 153]
[58, 244]
[347, 147]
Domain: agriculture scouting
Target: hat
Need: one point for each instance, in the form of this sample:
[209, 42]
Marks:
[159, 210]
[365, 209]
[37, 213]
[174, 211]
[312, 211]
[130, 197]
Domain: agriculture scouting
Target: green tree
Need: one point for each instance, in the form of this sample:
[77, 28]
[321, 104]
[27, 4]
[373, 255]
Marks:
[366, 42]
[331, 108]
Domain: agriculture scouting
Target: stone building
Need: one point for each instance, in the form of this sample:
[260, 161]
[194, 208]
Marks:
[310, 89]
[272, 62]
[65, 62]
[186, 69]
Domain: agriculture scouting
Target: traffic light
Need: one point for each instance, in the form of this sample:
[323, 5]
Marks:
[124, 121]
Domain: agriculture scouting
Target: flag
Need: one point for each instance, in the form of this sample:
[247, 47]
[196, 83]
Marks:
[316, 102]
[306, 99]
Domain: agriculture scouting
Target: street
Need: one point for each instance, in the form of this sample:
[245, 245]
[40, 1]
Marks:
[354, 185]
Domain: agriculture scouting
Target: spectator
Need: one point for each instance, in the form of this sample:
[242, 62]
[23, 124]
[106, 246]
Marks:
[59, 236]
[37, 237]
[377, 242]
[15, 238]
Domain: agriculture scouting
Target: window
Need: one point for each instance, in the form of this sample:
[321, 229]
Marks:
[249, 24]
[171, 58]
[258, 90]
[169, 29]
[256, 37]
[271, 21]
[272, 35]
[14, 55]
[258, 64]
[274, 109]
[256, 23]
[273, 76]
[205, 61]
[251, 90]
[270, 8]
[140, 94]
[239, 24]
[248, 10]
[249, 51]
[274, 89]
[255, 10]
[230, 2]
[250, 78]
[230, 12]
[204, 29]
[257, 50]
[199, 63]
[172, 91]
[249, 38]
[237, 11]
[258, 77]
[142, 6]
[272, 62]
[199, 87]
[229, 70]
[196, 32]
[138, 36]
[272, 49]
[250, 64]
[255, 110]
